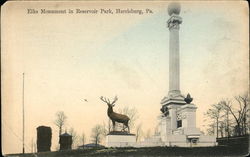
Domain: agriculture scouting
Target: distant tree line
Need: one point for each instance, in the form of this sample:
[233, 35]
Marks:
[229, 117]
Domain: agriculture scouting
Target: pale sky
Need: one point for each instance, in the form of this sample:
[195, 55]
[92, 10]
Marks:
[70, 57]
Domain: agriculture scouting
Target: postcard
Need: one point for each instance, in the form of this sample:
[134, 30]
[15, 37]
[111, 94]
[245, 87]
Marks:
[125, 77]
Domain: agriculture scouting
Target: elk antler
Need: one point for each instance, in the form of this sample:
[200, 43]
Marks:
[115, 99]
[107, 100]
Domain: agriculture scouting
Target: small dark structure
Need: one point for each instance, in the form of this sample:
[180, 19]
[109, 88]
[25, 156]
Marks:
[44, 135]
[65, 141]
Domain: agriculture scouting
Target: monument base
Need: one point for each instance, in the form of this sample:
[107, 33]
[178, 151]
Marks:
[178, 127]
[190, 141]
[154, 141]
[120, 139]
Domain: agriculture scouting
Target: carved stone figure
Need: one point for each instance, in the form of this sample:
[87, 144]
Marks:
[115, 117]
[164, 110]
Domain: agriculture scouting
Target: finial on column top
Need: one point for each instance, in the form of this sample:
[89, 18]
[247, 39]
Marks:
[174, 8]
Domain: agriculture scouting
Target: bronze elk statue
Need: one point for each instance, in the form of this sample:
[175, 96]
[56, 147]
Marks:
[115, 117]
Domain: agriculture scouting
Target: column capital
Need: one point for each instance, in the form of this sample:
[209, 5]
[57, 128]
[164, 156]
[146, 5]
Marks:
[174, 22]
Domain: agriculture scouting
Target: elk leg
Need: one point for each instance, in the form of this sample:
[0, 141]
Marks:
[123, 128]
[127, 127]
[113, 125]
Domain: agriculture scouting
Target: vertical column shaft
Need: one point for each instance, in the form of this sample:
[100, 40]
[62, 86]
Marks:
[174, 57]
[174, 63]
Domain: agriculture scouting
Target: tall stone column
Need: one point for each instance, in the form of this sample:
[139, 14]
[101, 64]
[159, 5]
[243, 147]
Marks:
[174, 58]
[174, 96]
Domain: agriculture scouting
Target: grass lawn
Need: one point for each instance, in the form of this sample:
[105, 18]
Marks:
[236, 150]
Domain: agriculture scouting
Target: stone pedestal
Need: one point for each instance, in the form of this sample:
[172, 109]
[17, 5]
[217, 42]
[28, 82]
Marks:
[120, 140]
[185, 134]
[165, 127]
[188, 115]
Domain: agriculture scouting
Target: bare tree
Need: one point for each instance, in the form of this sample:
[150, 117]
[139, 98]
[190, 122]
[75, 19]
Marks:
[60, 120]
[240, 114]
[214, 113]
[225, 118]
[97, 134]
[75, 138]
[222, 113]
[132, 113]
[139, 132]
[221, 128]
[211, 127]
[243, 102]
[109, 125]
[83, 139]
